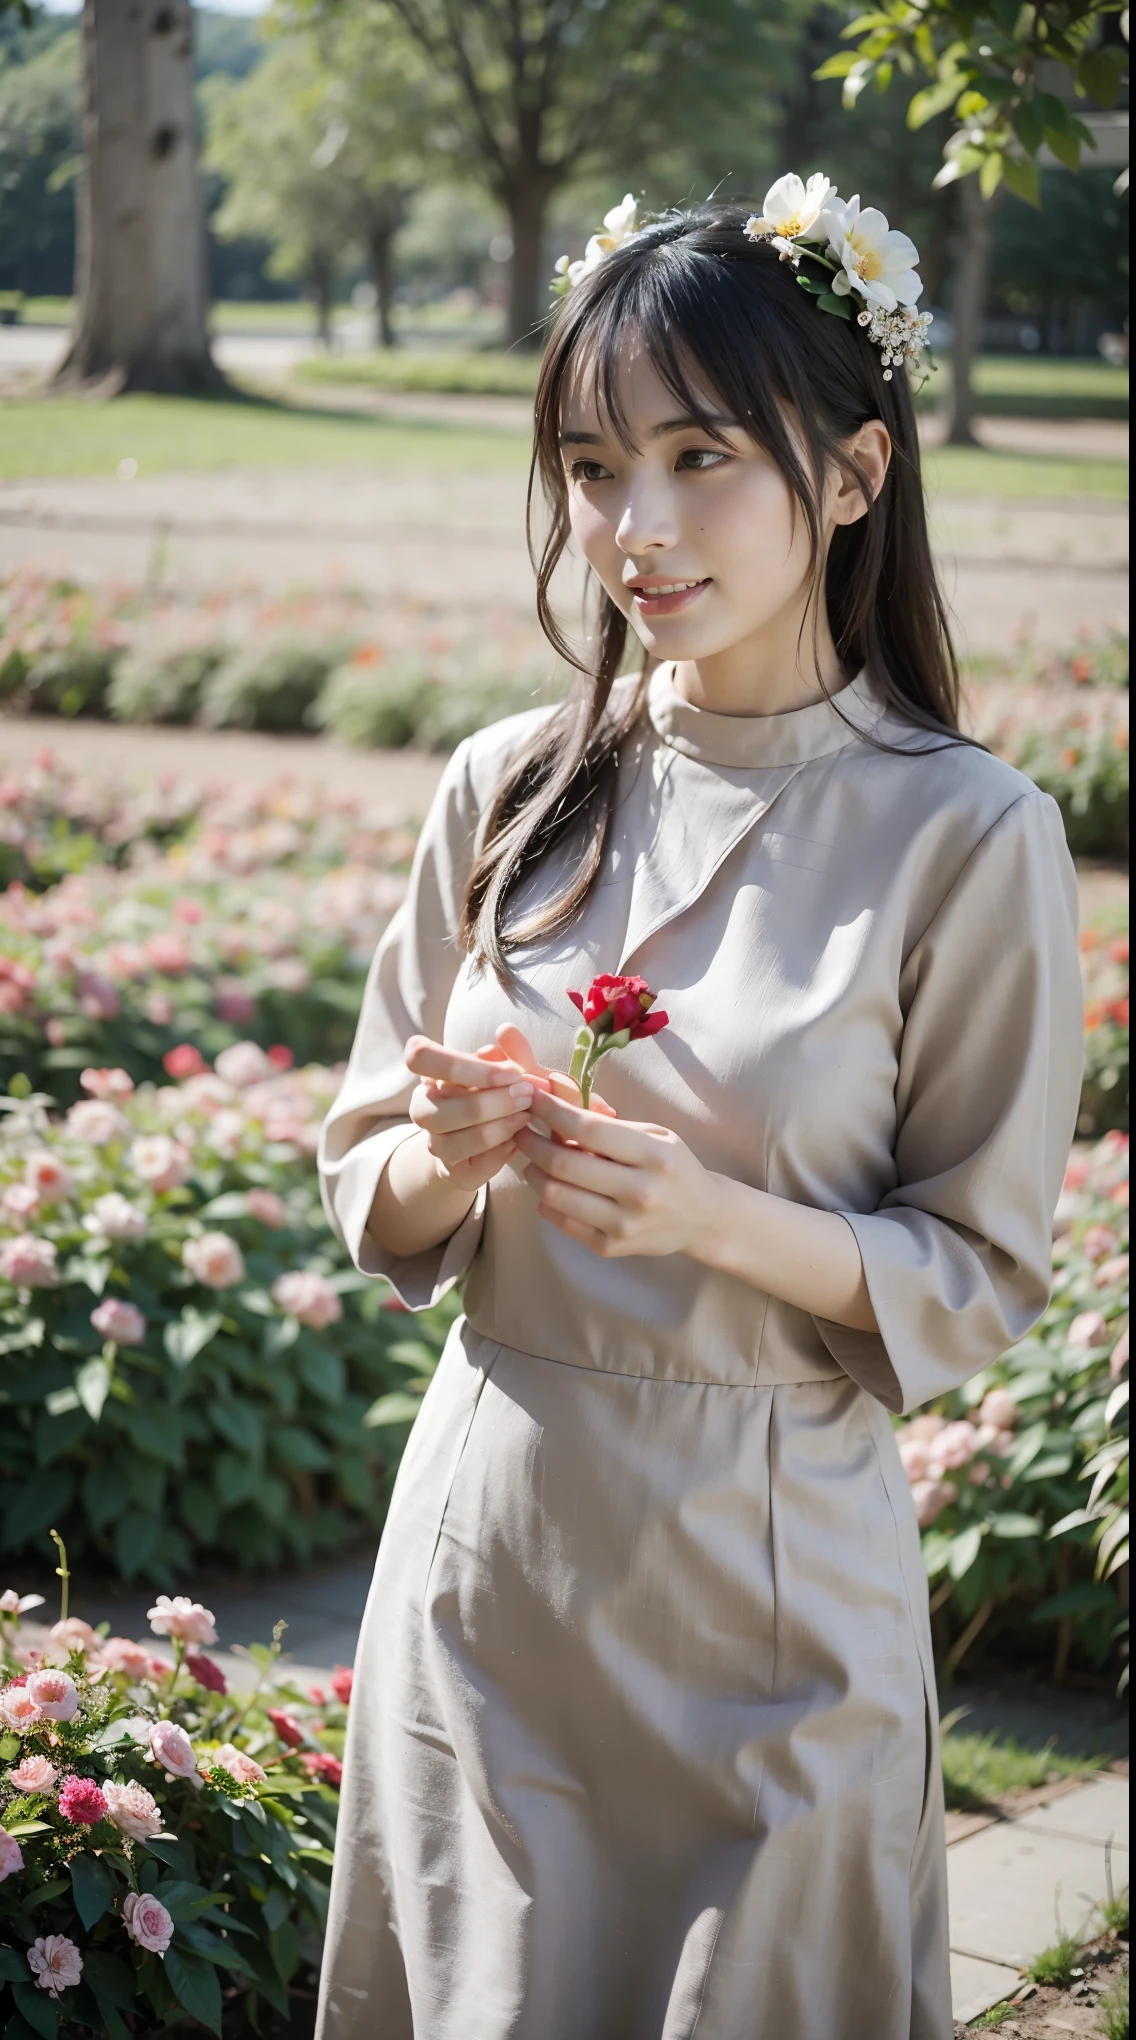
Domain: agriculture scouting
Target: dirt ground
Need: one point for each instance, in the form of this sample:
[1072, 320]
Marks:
[1043, 2012]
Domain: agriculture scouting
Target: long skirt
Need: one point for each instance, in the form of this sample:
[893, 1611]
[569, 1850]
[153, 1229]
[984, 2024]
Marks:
[642, 1743]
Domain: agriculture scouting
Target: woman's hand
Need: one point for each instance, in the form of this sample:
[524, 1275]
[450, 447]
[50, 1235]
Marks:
[470, 1108]
[620, 1187]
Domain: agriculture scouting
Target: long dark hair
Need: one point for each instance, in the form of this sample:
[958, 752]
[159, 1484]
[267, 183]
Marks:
[718, 314]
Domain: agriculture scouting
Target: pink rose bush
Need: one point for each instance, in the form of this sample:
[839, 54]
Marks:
[1025, 1470]
[207, 1320]
[191, 1809]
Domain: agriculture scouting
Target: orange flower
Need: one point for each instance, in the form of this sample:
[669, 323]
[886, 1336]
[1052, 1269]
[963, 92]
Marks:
[1094, 1014]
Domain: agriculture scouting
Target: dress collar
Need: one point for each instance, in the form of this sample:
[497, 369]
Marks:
[751, 742]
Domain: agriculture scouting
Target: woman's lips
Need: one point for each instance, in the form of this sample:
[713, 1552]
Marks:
[669, 599]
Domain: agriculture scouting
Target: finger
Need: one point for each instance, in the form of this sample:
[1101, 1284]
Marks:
[577, 1165]
[556, 1199]
[588, 1235]
[469, 1108]
[621, 1140]
[452, 1149]
[519, 1047]
[425, 1058]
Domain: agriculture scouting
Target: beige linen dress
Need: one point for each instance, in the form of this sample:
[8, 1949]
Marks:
[643, 1738]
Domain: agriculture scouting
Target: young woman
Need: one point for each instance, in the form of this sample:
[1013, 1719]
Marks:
[643, 1744]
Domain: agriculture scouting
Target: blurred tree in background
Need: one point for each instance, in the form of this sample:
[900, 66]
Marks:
[40, 155]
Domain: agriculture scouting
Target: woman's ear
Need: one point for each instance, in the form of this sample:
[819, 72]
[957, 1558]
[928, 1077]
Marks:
[870, 451]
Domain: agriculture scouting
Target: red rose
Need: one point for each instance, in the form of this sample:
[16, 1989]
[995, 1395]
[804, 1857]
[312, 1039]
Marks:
[183, 1061]
[342, 1680]
[612, 1004]
[288, 1730]
[206, 1673]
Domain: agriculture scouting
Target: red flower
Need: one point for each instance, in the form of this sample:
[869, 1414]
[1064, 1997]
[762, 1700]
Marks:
[1118, 950]
[183, 1061]
[81, 1801]
[288, 1730]
[342, 1680]
[280, 1057]
[612, 1004]
[206, 1673]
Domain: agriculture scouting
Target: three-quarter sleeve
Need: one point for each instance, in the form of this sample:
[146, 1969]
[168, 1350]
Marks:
[957, 1255]
[408, 990]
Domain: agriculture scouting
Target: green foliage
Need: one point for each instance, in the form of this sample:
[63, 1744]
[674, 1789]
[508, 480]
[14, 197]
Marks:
[39, 158]
[219, 1424]
[163, 683]
[1055, 1964]
[405, 702]
[238, 1853]
[1113, 2009]
[490, 373]
[268, 686]
[991, 67]
[1021, 1478]
[1087, 774]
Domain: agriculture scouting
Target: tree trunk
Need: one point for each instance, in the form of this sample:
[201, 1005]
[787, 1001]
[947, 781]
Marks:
[140, 275]
[323, 291]
[976, 222]
[527, 202]
[380, 248]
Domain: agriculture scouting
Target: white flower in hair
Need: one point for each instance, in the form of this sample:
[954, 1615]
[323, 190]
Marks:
[793, 211]
[876, 262]
[620, 224]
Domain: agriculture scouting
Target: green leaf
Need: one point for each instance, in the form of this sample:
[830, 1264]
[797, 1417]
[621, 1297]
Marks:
[839, 305]
[1023, 179]
[1028, 126]
[195, 1985]
[239, 1423]
[285, 1945]
[964, 1550]
[813, 285]
[277, 1906]
[1101, 72]
[135, 1536]
[990, 175]
[1083, 1599]
[93, 1887]
[1012, 1525]
[396, 1408]
[297, 1447]
[37, 2009]
[188, 1335]
[104, 1492]
[109, 1978]
[158, 1432]
[92, 1384]
[14, 1966]
[176, 1855]
[234, 1478]
[9, 1747]
[837, 66]
[934, 99]
[1066, 148]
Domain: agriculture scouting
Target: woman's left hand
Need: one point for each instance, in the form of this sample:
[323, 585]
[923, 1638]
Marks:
[620, 1187]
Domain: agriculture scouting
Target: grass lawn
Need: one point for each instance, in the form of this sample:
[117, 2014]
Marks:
[493, 373]
[67, 436]
[71, 436]
[981, 1769]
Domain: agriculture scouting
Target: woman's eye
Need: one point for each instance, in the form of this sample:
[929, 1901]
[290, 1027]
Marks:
[700, 457]
[590, 471]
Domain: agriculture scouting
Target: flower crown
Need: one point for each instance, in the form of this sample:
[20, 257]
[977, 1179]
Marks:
[857, 254]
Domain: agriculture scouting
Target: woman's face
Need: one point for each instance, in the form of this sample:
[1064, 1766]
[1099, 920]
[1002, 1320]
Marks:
[699, 542]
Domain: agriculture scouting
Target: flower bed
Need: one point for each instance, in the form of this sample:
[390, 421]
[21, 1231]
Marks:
[1021, 1478]
[186, 1358]
[165, 1845]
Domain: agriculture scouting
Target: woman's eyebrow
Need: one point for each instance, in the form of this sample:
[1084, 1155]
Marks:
[714, 420]
[581, 439]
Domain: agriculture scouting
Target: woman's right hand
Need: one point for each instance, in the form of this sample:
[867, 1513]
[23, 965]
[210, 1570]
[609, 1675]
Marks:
[470, 1109]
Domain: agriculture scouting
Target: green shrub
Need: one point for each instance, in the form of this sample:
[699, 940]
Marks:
[433, 701]
[69, 682]
[232, 1877]
[269, 686]
[371, 706]
[163, 683]
[489, 373]
[1086, 771]
[170, 1400]
[1104, 1092]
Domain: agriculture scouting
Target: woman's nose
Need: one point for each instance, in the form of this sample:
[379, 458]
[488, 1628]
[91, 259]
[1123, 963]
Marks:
[648, 522]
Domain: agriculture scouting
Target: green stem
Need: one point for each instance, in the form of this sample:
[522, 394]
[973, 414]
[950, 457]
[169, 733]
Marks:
[62, 1572]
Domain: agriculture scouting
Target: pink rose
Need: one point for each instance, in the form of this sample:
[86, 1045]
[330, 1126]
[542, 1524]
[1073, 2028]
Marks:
[81, 1802]
[121, 1322]
[134, 1810]
[1088, 1328]
[94, 1121]
[321, 1764]
[20, 1201]
[116, 1218]
[29, 1262]
[55, 1694]
[215, 1260]
[915, 1456]
[171, 1748]
[205, 1093]
[112, 1085]
[308, 1297]
[183, 1619]
[926, 1426]
[342, 1683]
[931, 1498]
[286, 1726]
[147, 1922]
[233, 1004]
[1118, 1359]
[98, 995]
[55, 1962]
[46, 1175]
[266, 1206]
[12, 1603]
[226, 1134]
[244, 1770]
[161, 1162]
[34, 1774]
[1112, 1271]
[1100, 1241]
[243, 1064]
[11, 1855]
[183, 1061]
[998, 1409]
[169, 953]
[18, 1710]
[120, 1654]
[74, 1634]
[955, 1445]
[124, 960]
